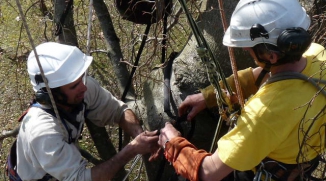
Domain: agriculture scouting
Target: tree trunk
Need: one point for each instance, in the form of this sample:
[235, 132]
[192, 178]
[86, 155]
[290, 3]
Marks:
[188, 76]
[113, 45]
[66, 34]
[63, 18]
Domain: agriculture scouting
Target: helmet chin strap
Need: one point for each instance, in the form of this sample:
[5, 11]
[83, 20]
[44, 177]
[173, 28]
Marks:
[266, 65]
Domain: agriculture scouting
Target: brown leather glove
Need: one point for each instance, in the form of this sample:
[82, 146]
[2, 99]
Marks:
[185, 157]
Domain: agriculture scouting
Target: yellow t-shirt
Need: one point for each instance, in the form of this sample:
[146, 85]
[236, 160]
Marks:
[272, 120]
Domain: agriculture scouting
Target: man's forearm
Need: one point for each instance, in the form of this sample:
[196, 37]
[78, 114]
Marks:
[130, 124]
[185, 157]
[107, 170]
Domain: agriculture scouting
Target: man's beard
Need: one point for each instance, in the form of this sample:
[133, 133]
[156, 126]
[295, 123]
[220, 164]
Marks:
[73, 106]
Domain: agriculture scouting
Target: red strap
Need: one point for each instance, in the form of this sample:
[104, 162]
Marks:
[23, 115]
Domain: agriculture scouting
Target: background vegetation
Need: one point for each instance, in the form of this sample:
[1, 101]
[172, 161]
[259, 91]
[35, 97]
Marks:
[15, 89]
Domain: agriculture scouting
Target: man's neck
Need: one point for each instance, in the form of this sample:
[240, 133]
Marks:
[290, 67]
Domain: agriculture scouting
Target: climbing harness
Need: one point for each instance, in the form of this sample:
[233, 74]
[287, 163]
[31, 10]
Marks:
[271, 169]
[11, 164]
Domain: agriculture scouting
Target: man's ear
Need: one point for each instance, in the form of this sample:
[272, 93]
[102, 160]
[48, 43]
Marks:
[273, 57]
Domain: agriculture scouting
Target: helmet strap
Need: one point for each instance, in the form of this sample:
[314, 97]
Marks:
[267, 64]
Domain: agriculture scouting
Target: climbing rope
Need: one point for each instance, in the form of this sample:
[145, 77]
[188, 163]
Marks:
[41, 69]
[89, 29]
[232, 59]
[214, 70]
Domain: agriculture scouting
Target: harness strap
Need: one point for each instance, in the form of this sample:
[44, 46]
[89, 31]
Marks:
[11, 165]
[279, 171]
[62, 116]
[297, 75]
[260, 77]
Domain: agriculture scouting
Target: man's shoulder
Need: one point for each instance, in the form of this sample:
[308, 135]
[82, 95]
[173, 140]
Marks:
[92, 85]
[90, 81]
[314, 50]
[38, 122]
[94, 90]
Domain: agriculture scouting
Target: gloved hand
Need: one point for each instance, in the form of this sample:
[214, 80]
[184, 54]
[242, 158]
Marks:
[185, 157]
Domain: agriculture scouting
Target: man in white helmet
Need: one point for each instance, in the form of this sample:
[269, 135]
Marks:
[47, 147]
[280, 132]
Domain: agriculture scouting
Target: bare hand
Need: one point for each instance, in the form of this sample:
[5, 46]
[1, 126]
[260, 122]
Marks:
[192, 104]
[146, 142]
[167, 133]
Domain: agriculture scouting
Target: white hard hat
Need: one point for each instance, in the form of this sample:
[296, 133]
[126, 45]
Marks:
[62, 64]
[274, 15]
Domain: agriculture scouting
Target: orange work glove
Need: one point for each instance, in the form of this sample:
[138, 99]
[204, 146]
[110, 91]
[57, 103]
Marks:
[185, 157]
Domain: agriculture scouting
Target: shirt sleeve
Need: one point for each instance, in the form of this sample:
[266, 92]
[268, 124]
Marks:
[260, 130]
[60, 159]
[102, 107]
[247, 83]
[45, 148]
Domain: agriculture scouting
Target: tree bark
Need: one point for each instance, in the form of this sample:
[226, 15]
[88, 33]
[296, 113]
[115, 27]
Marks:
[113, 45]
[63, 17]
[188, 76]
